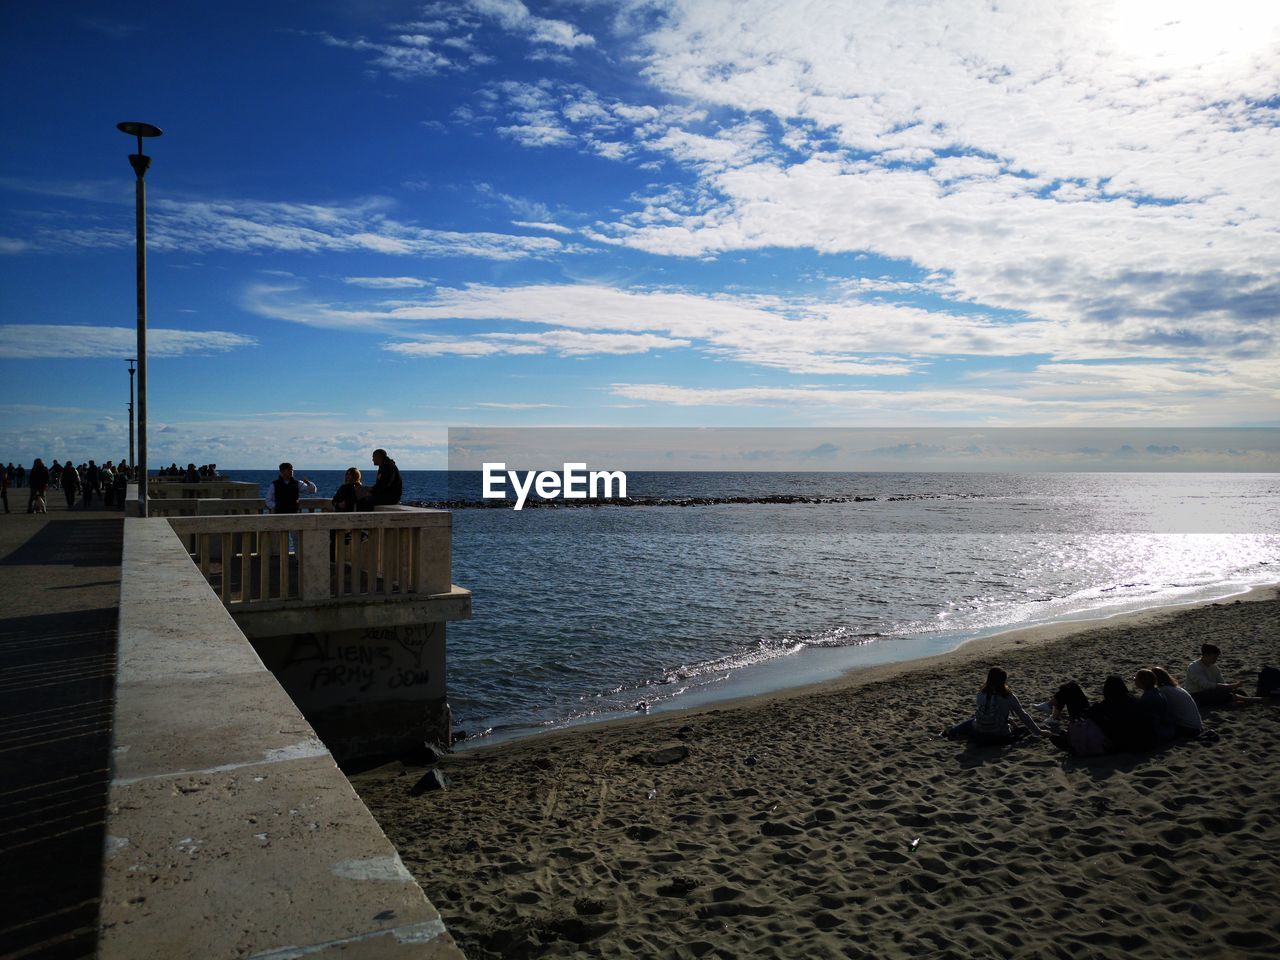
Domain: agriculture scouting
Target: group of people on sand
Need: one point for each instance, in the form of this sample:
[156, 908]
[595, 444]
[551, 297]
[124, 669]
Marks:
[1158, 711]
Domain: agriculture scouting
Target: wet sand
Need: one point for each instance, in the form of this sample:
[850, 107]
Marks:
[784, 826]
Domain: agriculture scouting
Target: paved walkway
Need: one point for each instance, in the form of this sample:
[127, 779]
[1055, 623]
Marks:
[59, 596]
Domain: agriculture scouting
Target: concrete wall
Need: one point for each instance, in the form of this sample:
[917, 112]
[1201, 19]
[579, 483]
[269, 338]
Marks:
[369, 693]
[231, 831]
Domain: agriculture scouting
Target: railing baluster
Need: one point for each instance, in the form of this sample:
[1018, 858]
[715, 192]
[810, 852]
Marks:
[246, 569]
[392, 556]
[264, 564]
[226, 567]
[285, 593]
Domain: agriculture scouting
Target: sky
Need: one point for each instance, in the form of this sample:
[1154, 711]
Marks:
[370, 222]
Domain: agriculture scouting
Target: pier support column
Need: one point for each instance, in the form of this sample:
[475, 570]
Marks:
[371, 692]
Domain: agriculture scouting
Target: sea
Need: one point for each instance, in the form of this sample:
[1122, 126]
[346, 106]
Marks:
[721, 585]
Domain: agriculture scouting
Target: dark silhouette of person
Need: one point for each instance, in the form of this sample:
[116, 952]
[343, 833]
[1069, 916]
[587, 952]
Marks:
[285, 491]
[70, 483]
[388, 487]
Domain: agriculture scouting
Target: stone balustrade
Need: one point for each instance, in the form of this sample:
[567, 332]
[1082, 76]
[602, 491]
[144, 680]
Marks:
[348, 610]
[273, 560]
[163, 489]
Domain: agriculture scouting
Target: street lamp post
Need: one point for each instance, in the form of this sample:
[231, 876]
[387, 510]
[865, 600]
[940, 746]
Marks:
[132, 361]
[140, 162]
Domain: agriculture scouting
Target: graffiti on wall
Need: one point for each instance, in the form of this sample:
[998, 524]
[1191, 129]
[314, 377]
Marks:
[400, 661]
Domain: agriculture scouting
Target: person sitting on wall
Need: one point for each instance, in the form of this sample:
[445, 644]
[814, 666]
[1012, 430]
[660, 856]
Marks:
[387, 487]
[350, 493]
[285, 491]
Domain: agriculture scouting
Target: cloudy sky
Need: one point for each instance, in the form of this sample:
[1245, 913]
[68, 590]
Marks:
[371, 221]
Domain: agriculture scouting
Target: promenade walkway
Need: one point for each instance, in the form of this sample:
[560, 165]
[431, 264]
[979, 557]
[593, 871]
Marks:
[59, 596]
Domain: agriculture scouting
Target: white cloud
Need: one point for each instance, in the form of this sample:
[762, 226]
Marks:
[521, 406]
[1105, 168]
[514, 16]
[30, 341]
[535, 225]
[387, 283]
[247, 226]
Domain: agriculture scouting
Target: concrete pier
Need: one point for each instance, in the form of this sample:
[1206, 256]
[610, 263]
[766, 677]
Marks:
[202, 816]
[60, 584]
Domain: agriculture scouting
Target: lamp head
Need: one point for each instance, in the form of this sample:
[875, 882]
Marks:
[135, 128]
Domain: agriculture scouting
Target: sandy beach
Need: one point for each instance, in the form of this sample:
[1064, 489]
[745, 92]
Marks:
[784, 826]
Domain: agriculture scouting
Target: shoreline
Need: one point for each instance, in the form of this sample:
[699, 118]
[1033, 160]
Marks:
[988, 643]
[834, 822]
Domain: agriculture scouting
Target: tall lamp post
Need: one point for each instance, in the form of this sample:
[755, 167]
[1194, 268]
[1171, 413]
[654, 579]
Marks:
[140, 162]
[131, 361]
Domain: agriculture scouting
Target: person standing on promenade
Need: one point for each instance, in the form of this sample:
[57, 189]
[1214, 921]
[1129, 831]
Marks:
[285, 491]
[1205, 683]
[107, 476]
[122, 486]
[70, 483]
[4, 488]
[91, 482]
[39, 482]
[388, 487]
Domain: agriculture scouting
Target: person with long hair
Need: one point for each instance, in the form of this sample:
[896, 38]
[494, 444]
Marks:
[990, 723]
[351, 491]
[1152, 699]
[1182, 706]
[1127, 726]
[39, 482]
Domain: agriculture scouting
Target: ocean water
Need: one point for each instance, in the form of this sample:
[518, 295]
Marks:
[589, 612]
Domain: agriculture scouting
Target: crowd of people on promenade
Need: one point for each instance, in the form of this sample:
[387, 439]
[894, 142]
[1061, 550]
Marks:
[80, 484]
[192, 473]
[1159, 709]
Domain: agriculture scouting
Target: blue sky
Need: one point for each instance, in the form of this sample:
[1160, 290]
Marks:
[372, 221]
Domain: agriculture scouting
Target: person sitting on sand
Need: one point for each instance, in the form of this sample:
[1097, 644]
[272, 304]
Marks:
[1153, 701]
[1128, 727]
[1205, 684]
[1081, 736]
[990, 723]
[1182, 707]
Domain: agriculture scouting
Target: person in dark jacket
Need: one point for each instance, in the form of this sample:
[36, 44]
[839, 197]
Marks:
[1128, 727]
[285, 491]
[38, 481]
[387, 488]
[90, 484]
[70, 483]
[350, 493]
